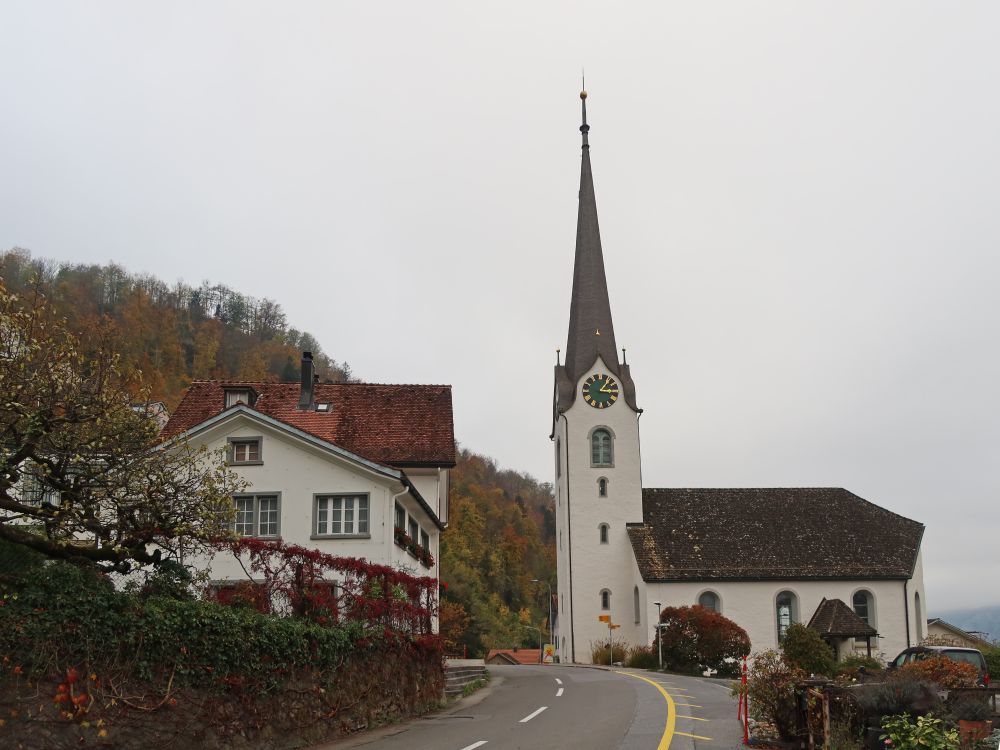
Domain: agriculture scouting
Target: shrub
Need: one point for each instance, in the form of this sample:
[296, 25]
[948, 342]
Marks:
[927, 733]
[856, 669]
[856, 661]
[804, 648]
[942, 671]
[843, 736]
[126, 660]
[900, 694]
[992, 655]
[599, 653]
[970, 708]
[771, 690]
[642, 657]
[697, 638]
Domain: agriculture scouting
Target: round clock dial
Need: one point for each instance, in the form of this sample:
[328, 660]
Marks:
[600, 390]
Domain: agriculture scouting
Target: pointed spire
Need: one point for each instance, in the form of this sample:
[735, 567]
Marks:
[591, 333]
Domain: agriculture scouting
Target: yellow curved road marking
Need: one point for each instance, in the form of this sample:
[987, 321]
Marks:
[668, 730]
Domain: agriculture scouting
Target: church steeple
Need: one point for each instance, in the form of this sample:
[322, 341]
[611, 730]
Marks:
[591, 331]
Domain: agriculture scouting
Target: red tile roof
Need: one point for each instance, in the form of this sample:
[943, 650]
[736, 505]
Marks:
[515, 656]
[398, 425]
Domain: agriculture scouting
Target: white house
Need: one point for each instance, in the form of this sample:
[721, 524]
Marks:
[763, 557]
[336, 467]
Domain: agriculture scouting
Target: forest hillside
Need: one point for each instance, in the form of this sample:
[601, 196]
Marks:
[501, 534]
[173, 334]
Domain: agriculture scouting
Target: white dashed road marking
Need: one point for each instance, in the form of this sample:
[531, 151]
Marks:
[474, 745]
[532, 715]
[559, 693]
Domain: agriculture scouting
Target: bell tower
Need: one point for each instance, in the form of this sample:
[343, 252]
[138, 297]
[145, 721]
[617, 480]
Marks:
[595, 431]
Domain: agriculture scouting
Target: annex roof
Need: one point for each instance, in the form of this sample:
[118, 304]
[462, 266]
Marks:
[835, 619]
[770, 534]
[396, 425]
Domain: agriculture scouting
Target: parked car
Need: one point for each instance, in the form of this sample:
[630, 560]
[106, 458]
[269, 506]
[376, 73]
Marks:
[968, 655]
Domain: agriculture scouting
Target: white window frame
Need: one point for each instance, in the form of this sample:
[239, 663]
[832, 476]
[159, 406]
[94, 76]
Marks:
[330, 508]
[793, 612]
[610, 455]
[255, 514]
[237, 396]
[871, 613]
[233, 447]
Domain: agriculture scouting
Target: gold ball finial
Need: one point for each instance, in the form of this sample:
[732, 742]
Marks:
[583, 94]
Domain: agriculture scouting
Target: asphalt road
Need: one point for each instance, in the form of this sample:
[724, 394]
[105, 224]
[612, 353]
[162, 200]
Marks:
[571, 708]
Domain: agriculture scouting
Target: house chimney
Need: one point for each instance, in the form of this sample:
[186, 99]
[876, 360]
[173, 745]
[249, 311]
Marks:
[306, 385]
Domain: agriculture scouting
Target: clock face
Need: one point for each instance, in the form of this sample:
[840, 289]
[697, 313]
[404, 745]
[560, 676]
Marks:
[600, 390]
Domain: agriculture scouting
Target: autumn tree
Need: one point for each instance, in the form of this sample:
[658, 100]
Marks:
[82, 476]
[696, 638]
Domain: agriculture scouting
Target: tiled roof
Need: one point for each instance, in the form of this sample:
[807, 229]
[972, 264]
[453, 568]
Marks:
[398, 425]
[515, 656]
[834, 618]
[784, 533]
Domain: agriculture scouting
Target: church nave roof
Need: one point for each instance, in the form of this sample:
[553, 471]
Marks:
[770, 533]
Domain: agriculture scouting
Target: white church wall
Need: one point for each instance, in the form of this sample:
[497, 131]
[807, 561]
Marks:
[752, 606]
[917, 602]
[597, 566]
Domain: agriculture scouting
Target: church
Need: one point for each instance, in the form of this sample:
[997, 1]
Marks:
[763, 557]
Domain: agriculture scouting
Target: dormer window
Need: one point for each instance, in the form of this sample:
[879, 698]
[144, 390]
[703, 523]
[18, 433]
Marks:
[238, 396]
[322, 407]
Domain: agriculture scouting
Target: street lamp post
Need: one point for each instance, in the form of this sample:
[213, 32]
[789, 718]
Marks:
[659, 643]
[536, 580]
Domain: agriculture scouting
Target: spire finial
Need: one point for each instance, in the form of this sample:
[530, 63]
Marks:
[558, 350]
[624, 361]
[584, 128]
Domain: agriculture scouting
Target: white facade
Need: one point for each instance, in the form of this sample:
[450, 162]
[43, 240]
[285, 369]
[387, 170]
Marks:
[299, 469]
[753, 606]
[586, 565]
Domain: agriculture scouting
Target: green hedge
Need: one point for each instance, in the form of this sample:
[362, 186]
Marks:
[59, 615]
[126, 670]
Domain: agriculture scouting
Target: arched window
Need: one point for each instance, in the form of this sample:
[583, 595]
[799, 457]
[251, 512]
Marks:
[635, 604]
[602, 487]
[601, 450]
[917, 613]
[710, 600]
[786, 606]
[605, 599]
[863, 604]
[604, 533]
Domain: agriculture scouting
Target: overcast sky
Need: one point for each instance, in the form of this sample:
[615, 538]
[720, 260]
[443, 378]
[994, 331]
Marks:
[798, 204]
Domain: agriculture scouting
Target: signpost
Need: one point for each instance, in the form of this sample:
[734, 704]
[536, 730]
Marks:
[611, 645]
